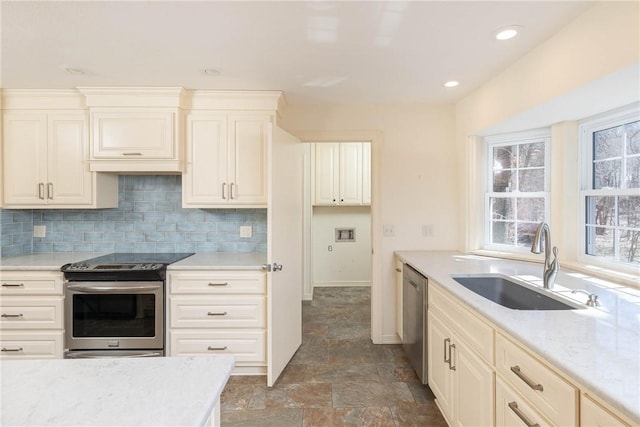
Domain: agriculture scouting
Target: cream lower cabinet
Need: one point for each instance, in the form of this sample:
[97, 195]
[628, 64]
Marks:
[399, 295]
[482, 376]
[31, 315]
[594, 415]
[226, 160]
[219, 312]
[461, 380]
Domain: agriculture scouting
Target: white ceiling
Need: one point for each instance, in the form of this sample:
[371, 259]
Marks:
[316, 52]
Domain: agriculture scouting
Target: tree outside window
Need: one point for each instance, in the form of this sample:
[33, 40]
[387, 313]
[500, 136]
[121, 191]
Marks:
[612, 199]
[516, 199]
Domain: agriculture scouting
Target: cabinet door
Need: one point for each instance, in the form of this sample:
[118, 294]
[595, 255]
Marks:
[399, 296]
[350, 173]
[25, 159]
[248, 159]
[473, 388]
[440, 376]
[133, 135]
[205, 179]
[327, 158]
[366, 173]
[68, 176]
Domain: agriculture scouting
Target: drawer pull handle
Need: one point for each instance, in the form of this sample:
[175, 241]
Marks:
[451, 348]
[217, 348]
[523, 417]
[446, 345]
[219, 284]
[132, 154]
[12, 315]
[6, 350]
[214, 313]
[13, 285]
[516, 370]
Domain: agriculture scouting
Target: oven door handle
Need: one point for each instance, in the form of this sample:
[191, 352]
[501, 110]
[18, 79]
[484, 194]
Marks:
[97, 289]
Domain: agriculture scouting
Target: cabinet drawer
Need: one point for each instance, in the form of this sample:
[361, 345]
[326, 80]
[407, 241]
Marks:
[214, 312]
[512, 410]
[594, 415]
[248, 347]
[469, 327]
[551, 395]
[31, 313]
[30, 283]
[222, 283]
[31, 345]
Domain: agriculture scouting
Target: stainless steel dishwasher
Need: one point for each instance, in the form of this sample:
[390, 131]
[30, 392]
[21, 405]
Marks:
[414, 320]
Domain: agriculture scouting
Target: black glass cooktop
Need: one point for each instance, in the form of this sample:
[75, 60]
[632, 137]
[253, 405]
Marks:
[138, 258]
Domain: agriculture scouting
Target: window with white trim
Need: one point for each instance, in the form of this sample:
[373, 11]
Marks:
[610, 193]
[517, 196]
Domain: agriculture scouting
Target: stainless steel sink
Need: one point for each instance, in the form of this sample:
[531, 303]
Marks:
[512, 294]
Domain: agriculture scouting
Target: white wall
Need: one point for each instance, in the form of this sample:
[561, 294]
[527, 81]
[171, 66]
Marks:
[348, 263]
[590, 66]
[416, 169]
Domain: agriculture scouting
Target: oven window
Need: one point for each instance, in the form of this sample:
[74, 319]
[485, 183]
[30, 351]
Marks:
[114, 315]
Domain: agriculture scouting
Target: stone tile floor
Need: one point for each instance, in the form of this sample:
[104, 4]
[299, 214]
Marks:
[336, 378]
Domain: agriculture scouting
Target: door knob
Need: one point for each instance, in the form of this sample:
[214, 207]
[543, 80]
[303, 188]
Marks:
[272, 267]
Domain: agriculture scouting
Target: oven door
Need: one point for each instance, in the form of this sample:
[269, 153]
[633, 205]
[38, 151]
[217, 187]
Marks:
[114, 315]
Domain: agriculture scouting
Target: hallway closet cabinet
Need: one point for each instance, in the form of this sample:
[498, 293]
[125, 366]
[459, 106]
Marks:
[45, 159]
[340, 178]
[226, 160]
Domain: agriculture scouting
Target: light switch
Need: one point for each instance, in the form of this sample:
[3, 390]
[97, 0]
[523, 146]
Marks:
[245, 231]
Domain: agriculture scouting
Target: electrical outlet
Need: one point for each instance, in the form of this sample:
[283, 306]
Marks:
[388, 230]
[245, 231]
[427, 230]
[39, 231]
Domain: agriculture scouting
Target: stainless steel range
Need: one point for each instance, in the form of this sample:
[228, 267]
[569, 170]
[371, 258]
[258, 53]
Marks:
[114, 305]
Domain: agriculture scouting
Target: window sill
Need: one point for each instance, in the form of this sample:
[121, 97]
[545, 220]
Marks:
[614, 276]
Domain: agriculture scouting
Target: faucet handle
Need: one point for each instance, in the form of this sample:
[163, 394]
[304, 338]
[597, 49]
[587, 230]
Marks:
[592, 300]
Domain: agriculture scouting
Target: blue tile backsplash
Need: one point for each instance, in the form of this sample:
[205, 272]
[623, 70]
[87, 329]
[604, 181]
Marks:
[149, 218]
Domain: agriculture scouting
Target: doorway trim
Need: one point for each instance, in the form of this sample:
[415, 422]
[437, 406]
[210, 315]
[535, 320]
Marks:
[376, 139]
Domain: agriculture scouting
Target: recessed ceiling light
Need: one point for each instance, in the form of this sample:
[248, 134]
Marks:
[507, 33]
[451, 83]
[211, 72]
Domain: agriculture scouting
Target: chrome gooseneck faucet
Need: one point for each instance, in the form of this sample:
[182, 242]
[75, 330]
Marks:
[550, 267]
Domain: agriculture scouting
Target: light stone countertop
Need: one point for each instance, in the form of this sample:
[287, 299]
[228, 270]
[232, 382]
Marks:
[158, 391]
[221, 261]
[45, 261]
[199, 261]
[599, 348]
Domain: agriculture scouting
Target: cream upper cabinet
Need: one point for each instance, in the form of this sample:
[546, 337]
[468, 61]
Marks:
[339, 172]
[134, 134]
[226, 160]
[366, 173]
[136, 129]
[45, 163]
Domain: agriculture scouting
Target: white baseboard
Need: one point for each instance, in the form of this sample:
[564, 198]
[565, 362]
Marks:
[391, 339]
[249, 370]
[341, 284]
[307, 297]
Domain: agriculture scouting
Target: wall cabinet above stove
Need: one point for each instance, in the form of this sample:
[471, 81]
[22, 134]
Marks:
[136, 129]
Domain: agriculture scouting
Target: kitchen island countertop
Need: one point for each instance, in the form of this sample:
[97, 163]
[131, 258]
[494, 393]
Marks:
[162, 391]
[598, 348]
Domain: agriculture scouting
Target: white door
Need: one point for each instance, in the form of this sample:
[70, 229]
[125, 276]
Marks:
[284, 247]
